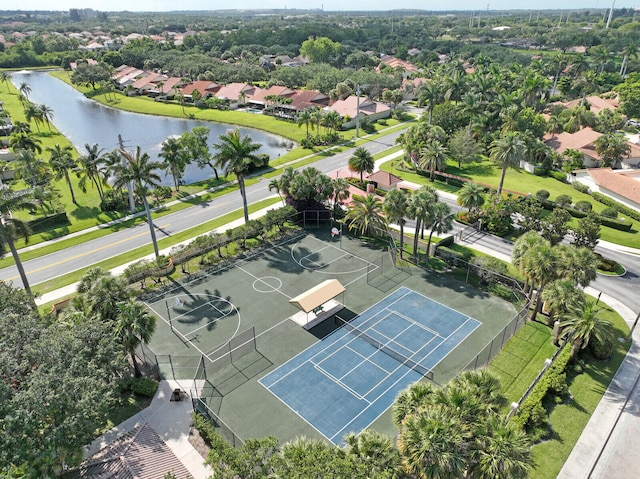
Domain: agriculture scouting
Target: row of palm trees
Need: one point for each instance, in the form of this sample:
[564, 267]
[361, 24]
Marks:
[313, 118]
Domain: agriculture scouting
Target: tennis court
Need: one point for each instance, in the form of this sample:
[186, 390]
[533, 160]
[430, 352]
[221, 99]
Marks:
[344, 382]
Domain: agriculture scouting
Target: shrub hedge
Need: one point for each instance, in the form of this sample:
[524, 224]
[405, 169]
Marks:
[48, 222]
[623, 209]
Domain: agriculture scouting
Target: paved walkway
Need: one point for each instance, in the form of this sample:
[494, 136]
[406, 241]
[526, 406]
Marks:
[171, 420]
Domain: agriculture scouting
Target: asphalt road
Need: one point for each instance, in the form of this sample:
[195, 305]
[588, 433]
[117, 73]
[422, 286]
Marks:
[51, 266]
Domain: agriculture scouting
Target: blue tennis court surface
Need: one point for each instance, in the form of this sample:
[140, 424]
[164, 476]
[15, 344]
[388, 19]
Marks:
[344, 382]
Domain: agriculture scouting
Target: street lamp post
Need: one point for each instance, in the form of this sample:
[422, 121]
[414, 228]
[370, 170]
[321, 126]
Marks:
[357, 111]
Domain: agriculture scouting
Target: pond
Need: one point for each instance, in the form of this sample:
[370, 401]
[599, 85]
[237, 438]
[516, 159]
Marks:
[84, 121]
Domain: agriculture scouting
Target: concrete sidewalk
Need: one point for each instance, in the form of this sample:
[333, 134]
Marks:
[172, 422]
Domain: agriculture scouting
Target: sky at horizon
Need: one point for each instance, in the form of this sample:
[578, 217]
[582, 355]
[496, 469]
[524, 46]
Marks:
[328, 5]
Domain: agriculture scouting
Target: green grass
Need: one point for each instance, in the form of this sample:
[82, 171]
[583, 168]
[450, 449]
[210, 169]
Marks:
[520, 181]
[520, 361]
[128, 406]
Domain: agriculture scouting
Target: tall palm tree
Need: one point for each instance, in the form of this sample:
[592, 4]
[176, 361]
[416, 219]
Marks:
[581, 324]
[61, 162]
[139, 170]
[630, 50]
[24, 89]
[420, 208]
[305, 117]
[236, 155]
[340, 190]
[5, 78]
[507, 151]
[175, 160]
[32, 170]
[89, 168]
[365, 215]
[395, 209]
[554, 125]
[11, 228]
[471, 196]
[32, 113]
[46, 114]
[361, 161]
[433, 156]
[20, 140]
[274, 184]
[580, 264]
[429, 94]
[541, 264]
[100, 294]
[135, 325]
[521, 247]
[559, 296]
[440, 222]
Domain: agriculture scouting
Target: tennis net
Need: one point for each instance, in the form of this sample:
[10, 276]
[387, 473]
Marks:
[401, 358]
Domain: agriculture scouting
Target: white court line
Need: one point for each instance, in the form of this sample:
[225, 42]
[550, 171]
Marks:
[262, 281]
[339, 382]
[224, 315]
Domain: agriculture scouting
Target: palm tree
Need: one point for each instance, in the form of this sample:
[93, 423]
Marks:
[24, 141]
[559, 296]
[365, 215]
[395, 209]
[140, 171]
[612, 148]
[46, 114]
[361, 161]
[5, 78]
[471, 196]
[580, 264]
[32, 170]
[410, 400]
[541, 264]
[274, 184]
[340, 190]
[440, 222]
[89, 169]
[630, 50]
[581, 324]
[316, 119]
[61, 162]
[32, 113]
[305, 117]
[502, 451]
[24, 89]
[433, 156]
[507, 151]
[429, 94]
[135, 325]
[100, 294]
[420, 207]
[236, 155]
[521, 247]
[375, 450]
[175, 161]
[433, 444]
[11, 228]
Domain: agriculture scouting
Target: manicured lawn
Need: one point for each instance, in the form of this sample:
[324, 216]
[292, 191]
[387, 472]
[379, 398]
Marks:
[522, 182]
[521, 360]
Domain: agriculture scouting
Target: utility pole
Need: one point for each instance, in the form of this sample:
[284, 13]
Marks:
[610, 14]
[357, 111]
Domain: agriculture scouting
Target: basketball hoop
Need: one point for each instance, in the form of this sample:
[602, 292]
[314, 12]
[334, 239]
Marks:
[334, 232]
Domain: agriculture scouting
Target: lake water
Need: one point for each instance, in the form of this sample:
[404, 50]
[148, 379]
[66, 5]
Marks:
[84, 121]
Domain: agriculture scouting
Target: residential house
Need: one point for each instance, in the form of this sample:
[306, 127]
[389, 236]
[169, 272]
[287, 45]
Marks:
[621, 185]
[236, 94]
[392, 62]
[410, 87]
[303, 99]
[205, 87]
[584, 141]
[355, 107]
[260, 98]
[596, 104]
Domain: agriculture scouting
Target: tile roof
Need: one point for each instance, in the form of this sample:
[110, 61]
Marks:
[203, 86]
[384, 178]
[582, 140]
[260, 95]
[139, 454]
[596, 104]
[617, 183]
[349, 106]
[232, 91]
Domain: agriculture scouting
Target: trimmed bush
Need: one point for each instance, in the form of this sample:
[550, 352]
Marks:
[585, 206]
[48, 222]
[601, 350]
[542, 194]
[564, 200]
[446, 241]
[581, 187]
[606, 264]
[145, 386]
[620, 225]
[540, 171]
[558, 175]
[609, 212]
[625, 210]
